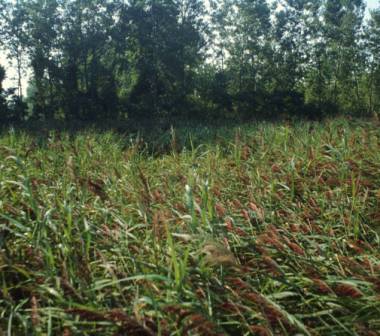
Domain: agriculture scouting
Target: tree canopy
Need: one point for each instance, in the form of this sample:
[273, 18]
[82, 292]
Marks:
[92, 60]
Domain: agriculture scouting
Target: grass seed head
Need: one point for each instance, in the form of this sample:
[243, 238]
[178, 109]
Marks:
[348, 290]
[217, 255]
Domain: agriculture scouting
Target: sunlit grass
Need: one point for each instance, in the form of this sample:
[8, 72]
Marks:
[264, 229]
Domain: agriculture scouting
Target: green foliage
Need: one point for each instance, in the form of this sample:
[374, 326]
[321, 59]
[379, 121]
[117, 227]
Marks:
[3, 106]
[156, 61]
[12, 107]
[373, 76]
[260, 229]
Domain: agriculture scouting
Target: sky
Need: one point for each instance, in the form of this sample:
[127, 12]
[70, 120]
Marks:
[373, 3]
[10, 80]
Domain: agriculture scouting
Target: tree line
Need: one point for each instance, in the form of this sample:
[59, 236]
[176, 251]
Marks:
[138, 60]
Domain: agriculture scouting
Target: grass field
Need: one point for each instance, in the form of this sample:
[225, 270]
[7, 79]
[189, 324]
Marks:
[268, 229]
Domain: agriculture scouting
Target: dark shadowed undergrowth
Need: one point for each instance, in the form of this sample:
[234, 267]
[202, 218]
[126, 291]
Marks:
[265, 230]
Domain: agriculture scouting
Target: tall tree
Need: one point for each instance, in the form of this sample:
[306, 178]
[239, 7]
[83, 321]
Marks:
[13, 35]
[241, 43]
[42, 22]
[373, 57]
[3, 105]
[167, 41]
[342, 32]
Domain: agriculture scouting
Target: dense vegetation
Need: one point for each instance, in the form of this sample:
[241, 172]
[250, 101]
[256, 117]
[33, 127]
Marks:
[165, 60]
[160, 228]
[264, 230]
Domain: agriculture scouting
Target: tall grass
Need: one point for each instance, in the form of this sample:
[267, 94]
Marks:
[263, 229]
